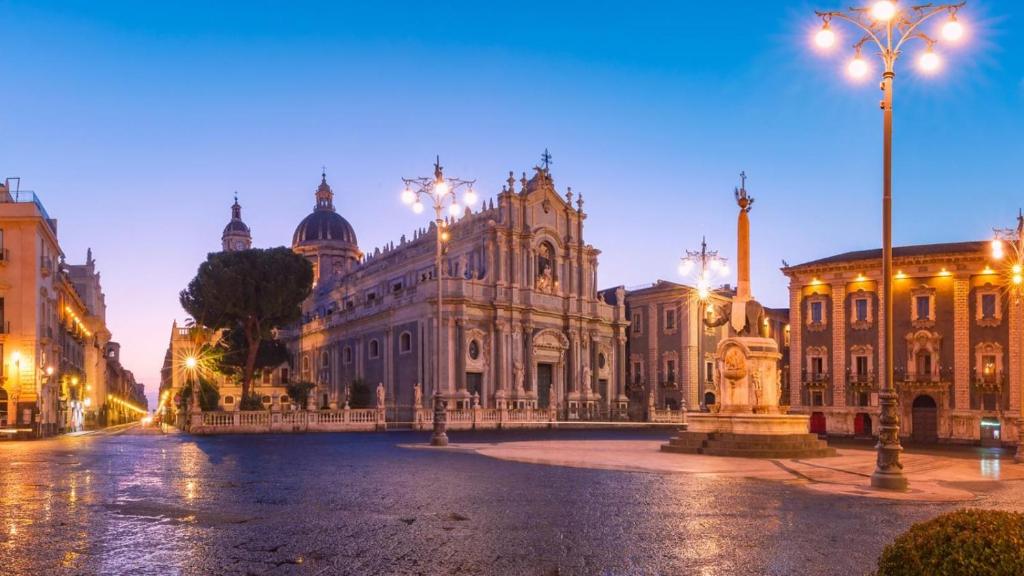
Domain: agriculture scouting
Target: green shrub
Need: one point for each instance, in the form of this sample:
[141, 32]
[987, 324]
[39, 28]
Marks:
[299, 392]
[961, 543]
[362, 396]
[251, 402]
[209, 396]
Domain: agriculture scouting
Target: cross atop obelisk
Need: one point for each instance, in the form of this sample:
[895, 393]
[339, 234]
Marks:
[743, 241]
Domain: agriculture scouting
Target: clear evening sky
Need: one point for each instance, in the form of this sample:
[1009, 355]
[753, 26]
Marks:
[137, 121]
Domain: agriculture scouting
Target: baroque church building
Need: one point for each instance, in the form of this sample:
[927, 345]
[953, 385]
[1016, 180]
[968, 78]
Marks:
[523, 325]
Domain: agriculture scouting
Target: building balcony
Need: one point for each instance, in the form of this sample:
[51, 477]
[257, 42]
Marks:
[816, 379]
[866, 380]
[990, 382]
[670, 381]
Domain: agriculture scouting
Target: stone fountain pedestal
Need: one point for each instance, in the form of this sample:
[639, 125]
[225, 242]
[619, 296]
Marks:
[748, 420]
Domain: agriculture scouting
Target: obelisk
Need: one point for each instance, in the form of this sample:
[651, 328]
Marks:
[743, 241]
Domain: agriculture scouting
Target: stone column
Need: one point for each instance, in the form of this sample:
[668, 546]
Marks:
[620, 365]
[460, 355]
[839, 344]
[650, 328]
[530, 366]
[498, 364]
[1015, 377]
[962, 343]
[389, 367]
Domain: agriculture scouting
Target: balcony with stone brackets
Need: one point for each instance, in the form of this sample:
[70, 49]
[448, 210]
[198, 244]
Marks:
[815, 380]
[912, 380]
[987, 382]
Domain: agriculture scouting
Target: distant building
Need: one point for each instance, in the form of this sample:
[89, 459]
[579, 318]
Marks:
[524, 324]
[53, 334]
[955, 359]
[671, 352]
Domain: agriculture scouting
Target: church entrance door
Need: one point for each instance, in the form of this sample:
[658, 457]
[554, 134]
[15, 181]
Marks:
[924, 417]
[544, 374]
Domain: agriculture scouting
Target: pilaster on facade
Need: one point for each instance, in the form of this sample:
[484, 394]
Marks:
[1016, 340]
[962, 343]
[795, 342]
[839, 344]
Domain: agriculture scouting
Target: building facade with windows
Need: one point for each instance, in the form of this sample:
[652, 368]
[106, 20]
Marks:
[523, 325]
[671, 352]
[53, 334]
[957, 341]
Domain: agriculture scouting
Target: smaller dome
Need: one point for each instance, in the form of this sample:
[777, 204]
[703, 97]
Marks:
[236, 226]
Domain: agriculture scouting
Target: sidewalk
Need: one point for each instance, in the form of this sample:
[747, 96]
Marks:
[933, 478]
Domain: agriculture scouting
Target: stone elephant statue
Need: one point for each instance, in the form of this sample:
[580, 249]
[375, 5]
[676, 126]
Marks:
[754, 316]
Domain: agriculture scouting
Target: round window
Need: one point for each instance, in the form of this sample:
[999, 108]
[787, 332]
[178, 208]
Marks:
[474, 349]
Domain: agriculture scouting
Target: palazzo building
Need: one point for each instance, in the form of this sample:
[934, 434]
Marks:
[957, 341]
[671, 351]
[523, 324]
[53, 337]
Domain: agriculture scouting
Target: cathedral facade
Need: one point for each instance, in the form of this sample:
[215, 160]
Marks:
[523, 323]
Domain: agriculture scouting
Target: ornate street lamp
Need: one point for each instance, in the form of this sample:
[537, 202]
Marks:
[701, 265]
[888, 25]
[1012, 278]
[440, 192]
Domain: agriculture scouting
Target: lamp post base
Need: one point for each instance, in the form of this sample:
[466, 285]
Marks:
[888, 474]
[440, 438]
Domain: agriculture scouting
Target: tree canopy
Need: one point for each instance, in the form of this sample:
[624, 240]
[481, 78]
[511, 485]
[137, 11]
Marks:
[249, 293]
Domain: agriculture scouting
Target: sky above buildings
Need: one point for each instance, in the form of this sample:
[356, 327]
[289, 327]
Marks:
[136, 123]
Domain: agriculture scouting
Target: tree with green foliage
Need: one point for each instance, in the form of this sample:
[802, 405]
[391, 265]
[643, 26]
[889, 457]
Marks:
[209, 396]
[249, 293]
[299, 392]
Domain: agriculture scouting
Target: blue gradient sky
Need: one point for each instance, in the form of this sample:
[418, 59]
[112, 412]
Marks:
[135, 122]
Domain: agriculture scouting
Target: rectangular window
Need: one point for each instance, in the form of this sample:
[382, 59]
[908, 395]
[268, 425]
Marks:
[284, 375]
[924, 307]
[670, 367]
[709, 371]
[266, 376]
[816, 312]
[637, 368]
[862, 365]
[670, 320]
[988, 305]
[861, 306]
[817, 365]
[636, 323]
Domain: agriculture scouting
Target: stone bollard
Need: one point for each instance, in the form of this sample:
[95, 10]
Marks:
[440, 436]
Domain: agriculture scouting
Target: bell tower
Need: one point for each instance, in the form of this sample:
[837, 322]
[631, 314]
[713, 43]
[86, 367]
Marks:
[236, 234]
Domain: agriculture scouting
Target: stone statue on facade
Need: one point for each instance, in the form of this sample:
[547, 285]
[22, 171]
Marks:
[517, 374]
[586, 384]
[417, 395]
[545, 281]
[380, 395]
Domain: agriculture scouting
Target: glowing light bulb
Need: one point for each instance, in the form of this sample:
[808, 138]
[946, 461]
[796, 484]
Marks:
[724, 270]
[190, 362]
[454, 209]
[952, 30]
[883, 11]
[929, 61]
[470, 197]
[417, 207]
[825, 38]
[1017, 279]
[1016, 269]
[408, 196]
[441, 188]
[997, 249]
[857, 67]
[686, 267]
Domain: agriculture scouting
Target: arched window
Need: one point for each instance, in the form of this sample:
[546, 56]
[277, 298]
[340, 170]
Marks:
[374, 349]
[405, 342]
[229, 400]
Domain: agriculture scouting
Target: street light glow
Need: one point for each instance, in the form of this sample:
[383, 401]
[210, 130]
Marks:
[825, 38]
[454, 209]
[417, 207]
[191, 362]
[857, 67]
[686, 267]
[470, 197]
[883, 11]
[997, 249]
[408, 196]
[440, 188]
[952, 30]
[929, 61]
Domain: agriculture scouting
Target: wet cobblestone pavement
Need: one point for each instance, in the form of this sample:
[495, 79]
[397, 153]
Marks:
[359, 504]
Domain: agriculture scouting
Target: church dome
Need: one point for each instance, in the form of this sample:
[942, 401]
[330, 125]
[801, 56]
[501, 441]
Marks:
[236, 226]
[324, 225]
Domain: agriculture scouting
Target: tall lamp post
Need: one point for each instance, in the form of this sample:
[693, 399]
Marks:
[888, 26]
[1013, 278]
[440, 192]
[703, 264]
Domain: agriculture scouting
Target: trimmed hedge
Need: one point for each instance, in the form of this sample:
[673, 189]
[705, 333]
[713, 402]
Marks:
[961, 543]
